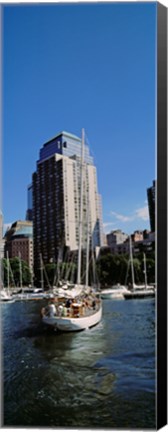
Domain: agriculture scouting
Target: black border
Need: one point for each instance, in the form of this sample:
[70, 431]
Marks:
[161, 216]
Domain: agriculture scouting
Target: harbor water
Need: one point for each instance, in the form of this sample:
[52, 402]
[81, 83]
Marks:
[103, 377]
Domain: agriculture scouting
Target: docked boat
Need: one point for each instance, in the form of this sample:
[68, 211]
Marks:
[115, 292]
[5, 293]
[80, 307]
[31, 294]
[139, 291]
[6, 297]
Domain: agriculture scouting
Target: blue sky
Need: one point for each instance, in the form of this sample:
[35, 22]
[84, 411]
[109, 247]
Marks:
[66, 67]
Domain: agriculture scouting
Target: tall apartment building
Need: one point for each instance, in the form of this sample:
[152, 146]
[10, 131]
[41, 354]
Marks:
[151, 193]
[56, 199]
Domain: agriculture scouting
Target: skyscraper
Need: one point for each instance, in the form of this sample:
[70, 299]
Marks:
[29, 212]
[56, 199]
[151, 193]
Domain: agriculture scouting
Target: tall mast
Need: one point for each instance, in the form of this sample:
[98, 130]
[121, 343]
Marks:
[132, 266]
[41, 270]
[20, 269]
[87, 246]
[145, 272]
[7, 255]
[80, 211]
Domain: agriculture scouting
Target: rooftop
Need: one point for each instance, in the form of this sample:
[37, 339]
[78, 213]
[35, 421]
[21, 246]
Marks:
[26, 231]
[67, 134]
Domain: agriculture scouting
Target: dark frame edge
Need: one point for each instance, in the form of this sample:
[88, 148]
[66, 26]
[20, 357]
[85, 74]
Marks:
[161, 216]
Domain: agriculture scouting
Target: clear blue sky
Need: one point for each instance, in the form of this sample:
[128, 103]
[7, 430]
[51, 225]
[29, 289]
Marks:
[82, 65]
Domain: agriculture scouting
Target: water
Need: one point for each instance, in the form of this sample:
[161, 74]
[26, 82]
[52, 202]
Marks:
[99, 378]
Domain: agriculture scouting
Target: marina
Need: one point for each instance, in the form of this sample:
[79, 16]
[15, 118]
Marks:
[101, 377]
[78, 227]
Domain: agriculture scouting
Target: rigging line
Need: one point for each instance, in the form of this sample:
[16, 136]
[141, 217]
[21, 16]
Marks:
[91, 150]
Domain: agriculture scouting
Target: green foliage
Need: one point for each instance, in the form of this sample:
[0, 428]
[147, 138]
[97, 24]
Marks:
[113, 269]
[53, 272]
[14, 272]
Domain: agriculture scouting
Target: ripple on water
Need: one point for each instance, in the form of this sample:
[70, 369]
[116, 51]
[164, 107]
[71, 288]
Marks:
[103, 377]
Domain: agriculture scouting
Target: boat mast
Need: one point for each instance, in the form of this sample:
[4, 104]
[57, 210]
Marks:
[80, 212]
[7, 256]
[32, 278]
[131, 260]
[20, 270]
[41, 270]
[145, 272]
[87, 247]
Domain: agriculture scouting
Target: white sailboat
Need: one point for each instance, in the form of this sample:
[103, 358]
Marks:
[5, 295]
[29, 293]
[139, 291]
[115, 292]
[85, 310]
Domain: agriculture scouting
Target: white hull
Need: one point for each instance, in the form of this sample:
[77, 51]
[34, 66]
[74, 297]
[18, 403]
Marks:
[5, 297]
[139, 294]
[68, 324]
[111, 293]
[143, 287]
[8, 300]
[112, 296]
[29, 296]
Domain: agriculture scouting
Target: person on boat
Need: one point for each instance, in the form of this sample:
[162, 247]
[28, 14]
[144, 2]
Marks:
[64, 310]
[68, 306]
[68, 303]
[60, 309]
[94, 304]
[52, 309]
[83, 308]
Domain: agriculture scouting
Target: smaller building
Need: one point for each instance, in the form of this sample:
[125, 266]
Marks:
[142, 241]
[137, 236]
[19, 242]
[115, 240]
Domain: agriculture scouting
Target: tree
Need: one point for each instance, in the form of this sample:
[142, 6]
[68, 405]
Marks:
[114, 269]
[14, 272]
